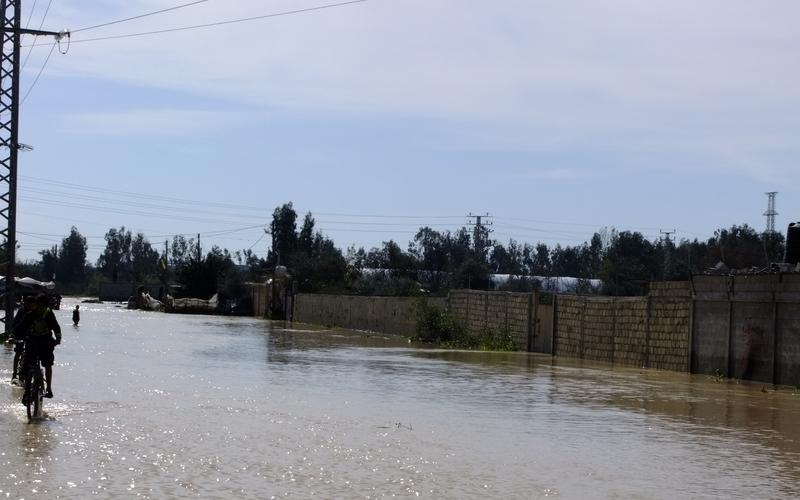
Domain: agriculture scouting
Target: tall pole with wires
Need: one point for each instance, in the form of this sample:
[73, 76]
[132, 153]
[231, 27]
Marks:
[11, 32]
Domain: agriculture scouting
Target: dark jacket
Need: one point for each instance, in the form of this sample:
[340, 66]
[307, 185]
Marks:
[36, 324]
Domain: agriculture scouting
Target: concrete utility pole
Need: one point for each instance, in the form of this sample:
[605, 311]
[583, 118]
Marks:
[479, 225]
[480, 237]
[11, 31]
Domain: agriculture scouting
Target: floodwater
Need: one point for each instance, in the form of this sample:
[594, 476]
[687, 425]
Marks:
[150, 405]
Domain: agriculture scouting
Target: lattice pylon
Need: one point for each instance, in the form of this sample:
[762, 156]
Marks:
[10, 10]
[771, 212]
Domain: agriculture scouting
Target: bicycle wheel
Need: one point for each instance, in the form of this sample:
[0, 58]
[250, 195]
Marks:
[38, 393]
[27, 397]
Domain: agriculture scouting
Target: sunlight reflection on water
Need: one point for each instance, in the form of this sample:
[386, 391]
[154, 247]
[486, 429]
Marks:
[161, 406]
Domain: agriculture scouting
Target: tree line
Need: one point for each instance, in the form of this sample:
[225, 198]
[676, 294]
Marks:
[432, 262]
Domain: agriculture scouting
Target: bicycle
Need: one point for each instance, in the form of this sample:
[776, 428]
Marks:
[32, 376]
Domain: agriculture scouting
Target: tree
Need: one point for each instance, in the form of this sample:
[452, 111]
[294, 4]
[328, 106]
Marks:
[565, 261]
[284, 236]
[71, 265]
[181, 251]
[115, 262]
[202, 278]
[305, 241]
[430, 250]
[49, 263]
[542, 266]
[630, 263]
[320, 267]
[144, 259]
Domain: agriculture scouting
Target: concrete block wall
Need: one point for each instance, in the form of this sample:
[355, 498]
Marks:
[393, 315]
[641, 331]
[630, 331]
[597, 342]
[669, 330]
[567, 332]
[499, 311]
[673, 289]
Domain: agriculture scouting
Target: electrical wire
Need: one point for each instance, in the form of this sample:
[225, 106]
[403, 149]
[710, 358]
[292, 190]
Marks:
[206, 203]
[41, 24]
[257, 241]
[36, 80]
[140, 16]
[30, 16]
[221, 23]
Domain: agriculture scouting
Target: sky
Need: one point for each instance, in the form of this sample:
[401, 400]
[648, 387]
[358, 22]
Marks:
[556, 118]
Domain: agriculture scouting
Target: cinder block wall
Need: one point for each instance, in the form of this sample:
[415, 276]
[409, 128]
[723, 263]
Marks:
[637, 331]
[393, 315]
[669, 334]
[499, 311]
[630, 332]
[569, 322]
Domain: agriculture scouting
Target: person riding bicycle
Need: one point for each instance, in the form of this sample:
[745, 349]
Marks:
[38, 326]
[19, 344]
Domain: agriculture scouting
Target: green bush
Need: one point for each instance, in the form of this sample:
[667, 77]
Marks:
[438, 326]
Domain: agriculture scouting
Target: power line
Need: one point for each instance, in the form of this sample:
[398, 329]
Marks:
[140, 16]
[221, 23]
[36, 80]
[205, 203]
[80, 187]
[30, 49]
[30, 16]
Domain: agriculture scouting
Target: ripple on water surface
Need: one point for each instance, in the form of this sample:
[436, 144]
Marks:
[150, 405]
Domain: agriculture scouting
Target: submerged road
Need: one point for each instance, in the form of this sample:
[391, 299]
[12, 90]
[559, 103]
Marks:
[149, 405]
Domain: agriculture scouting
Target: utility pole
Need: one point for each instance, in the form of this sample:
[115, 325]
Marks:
[199, 254]
[11, 32]
[481, 230]
[480, 238]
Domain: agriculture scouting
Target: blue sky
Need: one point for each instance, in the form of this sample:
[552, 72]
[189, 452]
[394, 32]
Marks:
[558, 118]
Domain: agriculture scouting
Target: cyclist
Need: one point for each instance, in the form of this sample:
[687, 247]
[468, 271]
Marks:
[27, 306]
[39, 325]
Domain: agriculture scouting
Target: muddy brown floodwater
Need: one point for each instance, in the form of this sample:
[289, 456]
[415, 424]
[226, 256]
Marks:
[151, 405]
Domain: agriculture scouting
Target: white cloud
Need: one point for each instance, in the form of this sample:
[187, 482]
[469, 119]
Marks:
[716, 77]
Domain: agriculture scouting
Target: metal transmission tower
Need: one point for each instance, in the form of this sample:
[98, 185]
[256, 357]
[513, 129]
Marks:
[11, 32]
[771, 213]
[667, 253]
